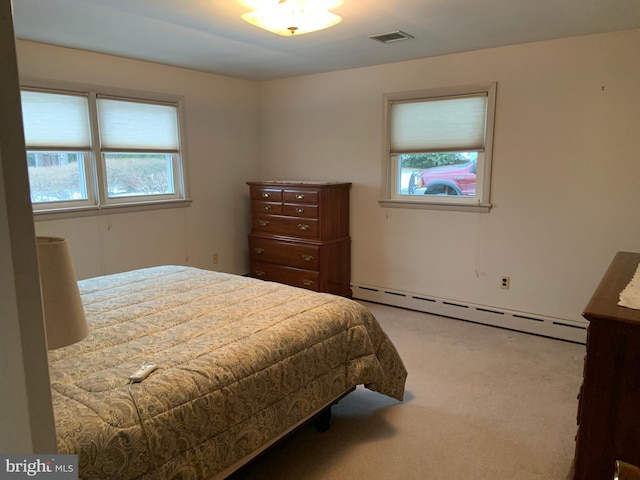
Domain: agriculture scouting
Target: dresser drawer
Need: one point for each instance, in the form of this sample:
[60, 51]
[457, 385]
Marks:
[297, 210]
[290, 276]
[266, 194]
[291, 254]
[301, 195]
[272, 208]
[288, 226]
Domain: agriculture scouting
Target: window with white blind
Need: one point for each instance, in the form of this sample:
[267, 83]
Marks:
[438, 145]
[87, 150]
[58, 137]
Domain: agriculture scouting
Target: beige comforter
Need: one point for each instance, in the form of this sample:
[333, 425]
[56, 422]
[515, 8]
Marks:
[240, 361]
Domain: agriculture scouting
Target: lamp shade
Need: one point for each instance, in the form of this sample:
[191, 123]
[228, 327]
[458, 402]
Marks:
[64, 318]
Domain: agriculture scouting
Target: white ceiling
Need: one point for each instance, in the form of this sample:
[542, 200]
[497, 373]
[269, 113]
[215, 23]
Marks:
[209, 35]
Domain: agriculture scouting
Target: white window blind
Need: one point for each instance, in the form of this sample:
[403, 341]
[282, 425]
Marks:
[438, 125]
[56, 121]
[137, 126]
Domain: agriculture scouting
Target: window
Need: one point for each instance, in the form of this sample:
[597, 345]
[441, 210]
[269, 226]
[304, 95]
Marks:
[438, 148]
[57, 158]
[86, 150]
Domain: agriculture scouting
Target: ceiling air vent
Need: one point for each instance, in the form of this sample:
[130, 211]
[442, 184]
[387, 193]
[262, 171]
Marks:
[391, 37]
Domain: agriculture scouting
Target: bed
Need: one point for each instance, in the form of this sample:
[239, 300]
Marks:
[241, 362]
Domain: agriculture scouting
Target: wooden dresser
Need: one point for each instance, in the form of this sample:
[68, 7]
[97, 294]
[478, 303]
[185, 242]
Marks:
[609, 407]
[300, 235]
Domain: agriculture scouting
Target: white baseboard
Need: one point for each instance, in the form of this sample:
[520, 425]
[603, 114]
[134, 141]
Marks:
[571, 330]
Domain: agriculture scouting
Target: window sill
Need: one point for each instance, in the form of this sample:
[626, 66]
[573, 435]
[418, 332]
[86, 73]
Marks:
[419, 204]
[73, 212]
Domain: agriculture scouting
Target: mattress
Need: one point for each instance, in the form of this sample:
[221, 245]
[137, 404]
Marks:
[239, 361]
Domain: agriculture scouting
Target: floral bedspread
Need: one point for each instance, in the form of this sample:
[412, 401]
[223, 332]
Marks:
[239, 362]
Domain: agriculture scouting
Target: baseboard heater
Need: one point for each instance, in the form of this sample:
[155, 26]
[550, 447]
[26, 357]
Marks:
[570, 330]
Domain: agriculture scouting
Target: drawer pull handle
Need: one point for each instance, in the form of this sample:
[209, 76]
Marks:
[258, 250]
[263, 223]
[300, 196]
[303, 226]
[307, 258]
[260, 273]
[299, 210]
[265, 195]
[267, 207]
[307, 282]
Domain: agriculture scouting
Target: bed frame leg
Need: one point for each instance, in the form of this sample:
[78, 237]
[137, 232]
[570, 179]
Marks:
[323, 420]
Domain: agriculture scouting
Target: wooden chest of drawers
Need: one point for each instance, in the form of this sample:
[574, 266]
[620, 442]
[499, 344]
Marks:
[609, 423]
[300, 235]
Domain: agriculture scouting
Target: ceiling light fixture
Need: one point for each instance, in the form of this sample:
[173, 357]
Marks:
[292, 17]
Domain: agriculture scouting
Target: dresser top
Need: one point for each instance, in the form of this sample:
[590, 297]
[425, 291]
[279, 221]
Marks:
[301, 183]
[604, 301]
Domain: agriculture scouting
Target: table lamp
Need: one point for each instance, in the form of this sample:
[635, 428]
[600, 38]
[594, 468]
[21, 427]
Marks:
[65, 322]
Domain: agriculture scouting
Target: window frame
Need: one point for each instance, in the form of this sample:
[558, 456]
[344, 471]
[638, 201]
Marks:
[390, 164]
[99, 201]
[89, 185]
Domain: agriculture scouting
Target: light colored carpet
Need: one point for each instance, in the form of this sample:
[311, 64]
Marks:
[481, 403]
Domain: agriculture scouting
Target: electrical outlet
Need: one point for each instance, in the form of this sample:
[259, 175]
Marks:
[215, 258]
[505, 283]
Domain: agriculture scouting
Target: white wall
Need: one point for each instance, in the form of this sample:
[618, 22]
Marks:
[565, 188]
[26, 413]
[221, 145]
